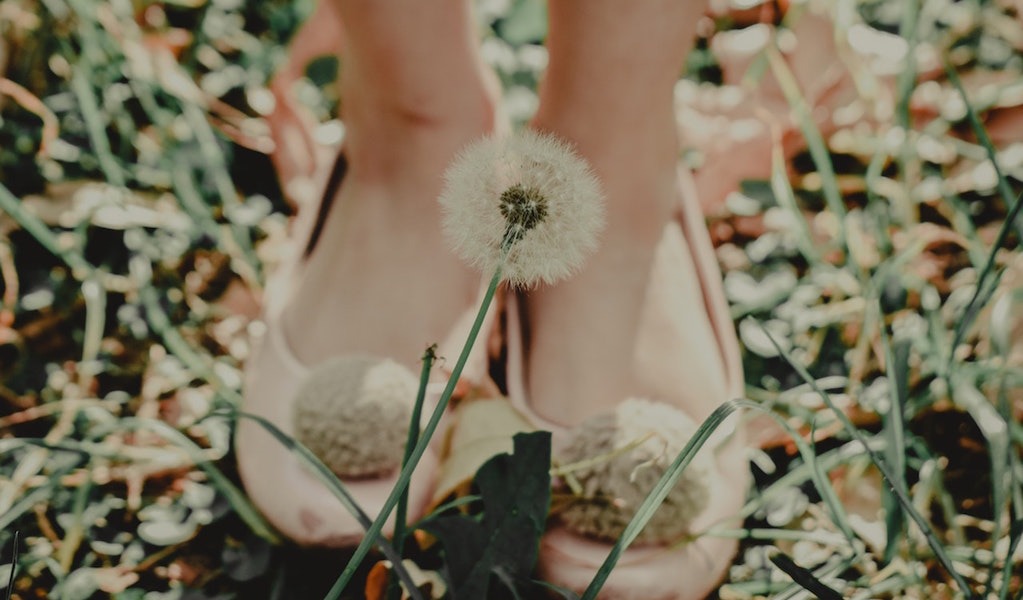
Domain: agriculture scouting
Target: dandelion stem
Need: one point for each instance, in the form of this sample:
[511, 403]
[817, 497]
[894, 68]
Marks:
[420, 448]
[401, 512]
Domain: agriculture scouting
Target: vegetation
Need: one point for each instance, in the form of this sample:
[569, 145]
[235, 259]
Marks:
[874, 272]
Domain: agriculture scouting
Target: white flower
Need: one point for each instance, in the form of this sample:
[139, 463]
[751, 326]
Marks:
[353, 413]
[530, 191]
[614, 488]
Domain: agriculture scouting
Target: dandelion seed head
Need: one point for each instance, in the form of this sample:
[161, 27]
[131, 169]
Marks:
[353, 413]
[532, 190]
[523, 209]
[613, 489]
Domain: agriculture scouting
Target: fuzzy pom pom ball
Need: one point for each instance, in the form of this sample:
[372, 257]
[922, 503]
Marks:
[613, 488]
[353, 412]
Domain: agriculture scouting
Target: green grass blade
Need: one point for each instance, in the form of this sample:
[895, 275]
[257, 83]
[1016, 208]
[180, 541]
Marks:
[816, 468]
[820, 479]
[235, 497]
[1004, 190]
[14, 564]
[886, 471]
[996, 431]
[897, 362]
[401, 512]
[11, 205]
[25, 503]
[417, 453]
[181, 349]
[440, 510]
[905, 82]
[1012, 203]
[81, 86]
[811, 133]
[336, 487]
[782, 190]
[658, 494]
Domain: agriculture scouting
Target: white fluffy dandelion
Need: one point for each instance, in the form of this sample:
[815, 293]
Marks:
[529, 192]
[614, 488]
[353, 413]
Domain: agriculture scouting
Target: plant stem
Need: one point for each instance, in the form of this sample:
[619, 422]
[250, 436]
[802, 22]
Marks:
[401, 512]
[420, 448]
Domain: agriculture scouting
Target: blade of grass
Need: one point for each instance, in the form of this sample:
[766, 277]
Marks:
[816, 470]
[782, 189]
[180, 348]
[420, 448]
[823, 485]
[1004, 189]
[996, 432]
[336, 487]
[14, 563]
[81, 86]
[894, 427]
[803, 472]
[216, 167]
[11, 205]
[905, 81]
[1012, 204]
[658, 494]
[814, 140]
[238, 500]
[1015, 533]
[76, 532]
[440, 510]
[401, 512]
[886, 472]
[804, 577]
[23, 505]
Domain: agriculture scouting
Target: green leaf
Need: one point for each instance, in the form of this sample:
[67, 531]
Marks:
[516, 496]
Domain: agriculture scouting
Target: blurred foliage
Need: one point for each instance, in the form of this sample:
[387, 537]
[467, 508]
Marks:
[140, 207]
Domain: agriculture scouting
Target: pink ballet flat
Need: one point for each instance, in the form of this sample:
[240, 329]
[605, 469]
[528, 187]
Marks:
[689, 570]
[290, 497]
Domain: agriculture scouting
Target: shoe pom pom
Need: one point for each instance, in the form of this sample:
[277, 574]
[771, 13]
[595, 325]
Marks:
[353, 412]
[624, 455]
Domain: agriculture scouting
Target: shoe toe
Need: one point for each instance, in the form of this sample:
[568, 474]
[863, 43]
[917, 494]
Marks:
[280, 484]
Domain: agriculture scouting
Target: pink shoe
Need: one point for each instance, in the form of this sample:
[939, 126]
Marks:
[655, 572]
[290, 497]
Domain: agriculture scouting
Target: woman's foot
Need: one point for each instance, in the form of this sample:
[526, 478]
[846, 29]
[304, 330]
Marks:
[645, 318]
[379, 278]
[591, 339]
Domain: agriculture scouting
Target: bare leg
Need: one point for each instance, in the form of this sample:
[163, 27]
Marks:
[414, 91]
[637, 321]
[609, 89]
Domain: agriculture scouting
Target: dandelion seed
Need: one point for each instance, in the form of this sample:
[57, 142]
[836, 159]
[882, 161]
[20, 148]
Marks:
[353, 413]
[526, 202]
[614, 489]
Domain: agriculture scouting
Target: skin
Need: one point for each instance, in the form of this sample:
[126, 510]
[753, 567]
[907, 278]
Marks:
[383, 281]
[609, 90]
[363, 288]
